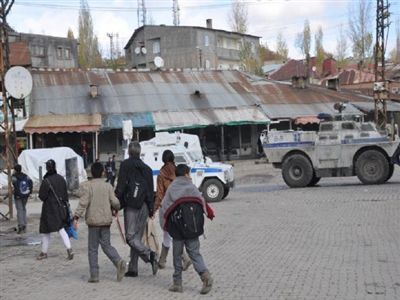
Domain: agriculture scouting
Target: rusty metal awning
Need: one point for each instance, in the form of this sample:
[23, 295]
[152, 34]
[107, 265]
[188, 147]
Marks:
[169, 120]
[63, 123]
[307, 120]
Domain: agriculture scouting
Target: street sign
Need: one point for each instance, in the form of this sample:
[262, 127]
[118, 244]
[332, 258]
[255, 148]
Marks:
[18, 82]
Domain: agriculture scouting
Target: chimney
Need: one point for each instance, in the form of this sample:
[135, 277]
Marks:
[209, 23]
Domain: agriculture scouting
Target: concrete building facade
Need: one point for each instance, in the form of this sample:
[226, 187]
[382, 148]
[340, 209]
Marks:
[188, 47]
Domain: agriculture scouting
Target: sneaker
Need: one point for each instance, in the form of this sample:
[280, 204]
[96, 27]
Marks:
[121, 266]
[131, 274]
[176, 288]
[93, 279]
[41, 256]
[154, 262]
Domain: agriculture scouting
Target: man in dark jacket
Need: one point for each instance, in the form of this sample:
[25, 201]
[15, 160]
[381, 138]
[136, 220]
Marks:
[134, 173]
[54, 217]
[22, 185]
[181, 191]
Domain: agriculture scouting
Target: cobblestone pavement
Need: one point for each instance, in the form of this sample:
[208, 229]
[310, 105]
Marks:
[339, 240]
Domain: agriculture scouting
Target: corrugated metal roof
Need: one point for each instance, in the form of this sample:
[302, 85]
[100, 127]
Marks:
[201, 118]
[121, 93]
[370, 106]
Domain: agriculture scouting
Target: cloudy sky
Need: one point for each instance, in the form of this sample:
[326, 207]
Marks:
[266, 18]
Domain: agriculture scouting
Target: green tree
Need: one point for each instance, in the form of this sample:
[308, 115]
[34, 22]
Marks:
[281, 46]
[88, 52]
[238, 16]
[319, 47]
[359, 30]
[341, 48]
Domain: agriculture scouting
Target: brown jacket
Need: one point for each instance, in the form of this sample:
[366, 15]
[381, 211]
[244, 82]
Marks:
[164, 179]
[97, 198]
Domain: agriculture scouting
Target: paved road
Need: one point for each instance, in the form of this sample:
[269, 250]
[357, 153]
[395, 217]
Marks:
[339, 240]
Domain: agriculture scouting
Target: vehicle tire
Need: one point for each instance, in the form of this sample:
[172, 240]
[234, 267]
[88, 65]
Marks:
[314, 180]
[372, 167]
[297, 171]
[391, 171]
[213, 190]
[226, 192]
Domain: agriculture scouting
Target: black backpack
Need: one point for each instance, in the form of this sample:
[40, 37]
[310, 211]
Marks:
[136, 190]
[186, 221]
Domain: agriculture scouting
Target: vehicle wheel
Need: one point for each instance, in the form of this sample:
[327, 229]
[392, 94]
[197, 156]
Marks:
[314, 180]
[226, 192]
[391, 171]
[213, 190]
[372, 167]
[297, 171]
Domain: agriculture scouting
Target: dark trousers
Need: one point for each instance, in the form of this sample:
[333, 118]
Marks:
[100, 235]
[135, 224]
[193, 250]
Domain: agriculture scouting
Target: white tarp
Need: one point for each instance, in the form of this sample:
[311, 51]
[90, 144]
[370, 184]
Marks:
[32, 159]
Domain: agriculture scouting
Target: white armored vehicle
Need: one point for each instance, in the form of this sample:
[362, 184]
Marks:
[213, 179]
[339, 148]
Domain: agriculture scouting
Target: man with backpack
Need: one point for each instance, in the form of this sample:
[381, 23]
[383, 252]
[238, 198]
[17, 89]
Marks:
[136, 194]
[22, 189]
[182, 212]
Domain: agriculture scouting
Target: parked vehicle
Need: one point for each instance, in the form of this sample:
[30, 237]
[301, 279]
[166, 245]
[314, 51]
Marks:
[339, 148]
[214, 179]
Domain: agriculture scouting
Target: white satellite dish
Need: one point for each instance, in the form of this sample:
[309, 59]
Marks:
[18, 82]
[144, 50]
[137, 50]
[159, 62]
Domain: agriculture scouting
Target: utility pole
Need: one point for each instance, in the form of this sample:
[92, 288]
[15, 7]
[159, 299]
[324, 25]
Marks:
[111, 36]
[141, 12]
[5, 65]
[175, 12]
[381, 85]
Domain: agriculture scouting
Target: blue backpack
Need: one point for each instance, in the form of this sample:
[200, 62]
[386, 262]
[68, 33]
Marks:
[23, 186]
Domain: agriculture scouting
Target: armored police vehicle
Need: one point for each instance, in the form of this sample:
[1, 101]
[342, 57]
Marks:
[213, 179]
[339, 148]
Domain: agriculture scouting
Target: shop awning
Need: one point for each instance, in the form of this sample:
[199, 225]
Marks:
[171, 120]
[139, 120]
[63, 123]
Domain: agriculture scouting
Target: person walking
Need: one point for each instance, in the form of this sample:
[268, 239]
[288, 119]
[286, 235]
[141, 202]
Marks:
[182, 209]
[135, 192]
[164, 179]
[97, 199]
[54, 215]
[111, 170]
[22, 185]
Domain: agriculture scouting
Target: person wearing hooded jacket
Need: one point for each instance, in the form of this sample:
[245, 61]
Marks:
[51, 219]
[164, 179]
[135, 219]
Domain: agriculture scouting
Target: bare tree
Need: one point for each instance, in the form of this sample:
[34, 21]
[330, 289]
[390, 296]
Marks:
[282, 49]
[341, 47]
[398, 40]
[319, 47]
[237, 16]
[303, 40]
[88, 51]
[359, 30]
[70, 34]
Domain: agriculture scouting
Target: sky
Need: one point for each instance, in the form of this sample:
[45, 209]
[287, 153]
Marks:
[265, 17]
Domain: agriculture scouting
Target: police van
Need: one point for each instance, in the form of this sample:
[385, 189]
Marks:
[214, 179]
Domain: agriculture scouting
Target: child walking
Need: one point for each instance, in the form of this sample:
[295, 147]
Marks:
[99, 202]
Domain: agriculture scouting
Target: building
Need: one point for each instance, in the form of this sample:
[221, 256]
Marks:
[42, 51]
[188, 47]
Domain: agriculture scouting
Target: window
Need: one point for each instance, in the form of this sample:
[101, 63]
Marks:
[156, 46]
[38, 50]
[67, 53]
[207, 64]
[180, 159]
[206, 41]
[347, 126]
[253, 48]
[326, 127]
[59, 52]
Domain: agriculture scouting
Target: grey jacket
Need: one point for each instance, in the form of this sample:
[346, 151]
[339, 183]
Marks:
[180, 187]
[97, 198]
